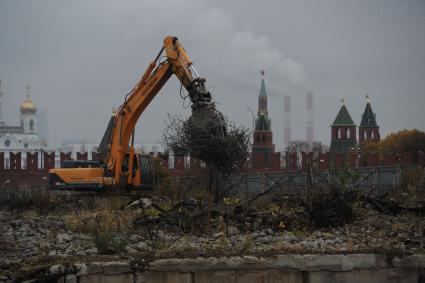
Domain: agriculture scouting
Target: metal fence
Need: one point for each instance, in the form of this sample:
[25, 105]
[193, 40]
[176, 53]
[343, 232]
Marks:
[379, 179]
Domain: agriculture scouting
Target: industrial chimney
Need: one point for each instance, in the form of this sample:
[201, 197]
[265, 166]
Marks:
[309, 134]
[286, 120]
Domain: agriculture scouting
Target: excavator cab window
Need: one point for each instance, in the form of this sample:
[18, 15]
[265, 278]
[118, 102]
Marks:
[125, 163]
[146, 170]
[135, 164]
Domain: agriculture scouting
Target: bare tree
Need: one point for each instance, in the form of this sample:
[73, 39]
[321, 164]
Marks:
[223, 148]
[304, 146]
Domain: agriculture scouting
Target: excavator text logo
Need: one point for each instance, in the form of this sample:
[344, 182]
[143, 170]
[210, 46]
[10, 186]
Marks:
[150, 85]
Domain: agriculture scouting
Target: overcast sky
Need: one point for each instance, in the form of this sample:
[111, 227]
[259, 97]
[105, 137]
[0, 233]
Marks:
[81, 58]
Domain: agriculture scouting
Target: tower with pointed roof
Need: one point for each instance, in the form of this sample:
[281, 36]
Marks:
[263, 136]
[343, 131]
[368, 129]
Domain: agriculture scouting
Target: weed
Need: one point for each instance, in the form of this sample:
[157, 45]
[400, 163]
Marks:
[107, 224]
[359, 210]
[108, 242]
[247, 244]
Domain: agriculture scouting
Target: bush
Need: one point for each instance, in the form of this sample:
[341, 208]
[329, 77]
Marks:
[331, 210]
[108, 242]
[339, 205]
[107, 223]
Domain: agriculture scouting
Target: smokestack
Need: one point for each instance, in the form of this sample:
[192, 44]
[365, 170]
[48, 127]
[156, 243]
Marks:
[309, 134]
[1, 102]
[287, 120]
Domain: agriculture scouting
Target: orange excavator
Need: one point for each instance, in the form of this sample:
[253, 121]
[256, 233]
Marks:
[122, 166]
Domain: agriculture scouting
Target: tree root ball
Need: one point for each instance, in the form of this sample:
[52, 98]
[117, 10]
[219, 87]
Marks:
[209, 137]
[208, 120]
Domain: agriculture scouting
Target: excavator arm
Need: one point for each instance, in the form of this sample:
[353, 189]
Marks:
[115, 144]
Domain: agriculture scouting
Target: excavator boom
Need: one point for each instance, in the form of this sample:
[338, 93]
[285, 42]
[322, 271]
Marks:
[117, 143]
[156, 75]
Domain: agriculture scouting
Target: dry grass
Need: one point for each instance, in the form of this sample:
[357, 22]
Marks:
[107, 223]
[107, 215]
[36, 198]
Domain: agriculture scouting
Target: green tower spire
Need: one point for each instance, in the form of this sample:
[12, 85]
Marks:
[263, 122]
[368, 117]
[343, 131]
[343, 118]
[263, 87]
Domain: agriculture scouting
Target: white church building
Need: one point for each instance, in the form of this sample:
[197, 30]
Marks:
[24, 137]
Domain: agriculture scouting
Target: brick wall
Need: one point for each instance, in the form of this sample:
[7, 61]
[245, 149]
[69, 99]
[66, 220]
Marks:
[36, 172]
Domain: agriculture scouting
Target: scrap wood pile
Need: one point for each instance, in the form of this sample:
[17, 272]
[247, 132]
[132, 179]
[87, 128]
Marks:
[384, 204]
[269, 209]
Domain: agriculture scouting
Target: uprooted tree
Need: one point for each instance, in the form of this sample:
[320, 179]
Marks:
[223, 149]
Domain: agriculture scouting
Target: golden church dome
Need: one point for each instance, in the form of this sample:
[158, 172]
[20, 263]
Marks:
[28, 106]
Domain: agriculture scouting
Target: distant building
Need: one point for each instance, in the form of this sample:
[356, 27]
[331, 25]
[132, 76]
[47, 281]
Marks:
[343, 131]
[42, 128]
[75, 146]
[22, 138]
[84, 146]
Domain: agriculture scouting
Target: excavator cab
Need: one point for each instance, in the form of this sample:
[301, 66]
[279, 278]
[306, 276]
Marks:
[142, 172]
